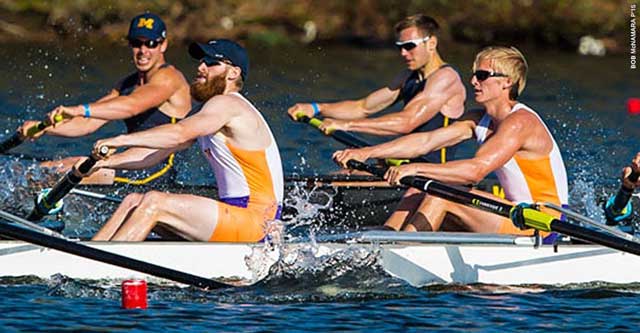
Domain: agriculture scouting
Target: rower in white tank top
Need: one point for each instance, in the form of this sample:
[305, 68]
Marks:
[530, 180]
[245, 176]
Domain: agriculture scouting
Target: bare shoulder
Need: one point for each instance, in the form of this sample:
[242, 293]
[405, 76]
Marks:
[446, 74]
[225, 104]
[168, 75]
[519, 120]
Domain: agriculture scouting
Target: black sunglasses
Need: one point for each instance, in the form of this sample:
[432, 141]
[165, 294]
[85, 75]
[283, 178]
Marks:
[411, 44]
[213, 62]
[149, 43]
[482, 75]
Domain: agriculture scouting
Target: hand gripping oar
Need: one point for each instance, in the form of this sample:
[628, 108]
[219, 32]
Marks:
[522, 216]
[16, 139]
[618, 207]
[349, 139]
[63, 245]
[49, 200]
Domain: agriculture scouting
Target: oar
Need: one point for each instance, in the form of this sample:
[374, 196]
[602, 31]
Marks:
[95, 195]
[16, 139]
[349, 139]
[49, 200]
[519, 214]
[618, 207]
[63, 245]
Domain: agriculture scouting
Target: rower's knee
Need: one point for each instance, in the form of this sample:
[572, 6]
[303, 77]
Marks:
[152, 202]
[132, 199]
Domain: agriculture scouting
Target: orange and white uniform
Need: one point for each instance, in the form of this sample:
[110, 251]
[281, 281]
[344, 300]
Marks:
[250, 186]
[530, 180]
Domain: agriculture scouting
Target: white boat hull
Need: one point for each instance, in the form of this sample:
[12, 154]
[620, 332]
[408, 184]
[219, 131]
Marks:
[503, 261]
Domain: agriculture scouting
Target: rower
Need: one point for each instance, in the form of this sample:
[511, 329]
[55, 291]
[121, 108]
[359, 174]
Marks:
[618, 207]
[514, 143]
[430, 89]
[240, 148]
[156, 93]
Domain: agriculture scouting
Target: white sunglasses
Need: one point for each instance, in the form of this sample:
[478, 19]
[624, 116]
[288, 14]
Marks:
[411, 43]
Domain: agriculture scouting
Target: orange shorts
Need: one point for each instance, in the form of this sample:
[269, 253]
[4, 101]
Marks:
[242, 224]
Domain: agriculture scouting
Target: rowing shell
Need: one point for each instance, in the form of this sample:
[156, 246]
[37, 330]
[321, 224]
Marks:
[418, 258]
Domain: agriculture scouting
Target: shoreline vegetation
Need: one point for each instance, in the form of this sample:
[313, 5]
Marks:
[547, 23]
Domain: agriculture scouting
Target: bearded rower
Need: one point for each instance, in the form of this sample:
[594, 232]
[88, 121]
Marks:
[237, 142]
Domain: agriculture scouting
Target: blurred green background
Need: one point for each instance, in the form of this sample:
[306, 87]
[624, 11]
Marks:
[547, 23]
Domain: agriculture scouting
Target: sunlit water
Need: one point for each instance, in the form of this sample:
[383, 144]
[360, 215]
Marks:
[581, 99]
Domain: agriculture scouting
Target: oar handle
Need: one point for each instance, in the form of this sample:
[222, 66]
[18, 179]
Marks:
[16, 139]
[63, 187]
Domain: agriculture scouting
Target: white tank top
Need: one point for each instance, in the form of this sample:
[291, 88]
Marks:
[253, 174]
[524, 180]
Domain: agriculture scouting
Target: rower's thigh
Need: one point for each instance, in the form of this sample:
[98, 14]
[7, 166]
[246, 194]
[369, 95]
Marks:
[190, 216]
[477, 220]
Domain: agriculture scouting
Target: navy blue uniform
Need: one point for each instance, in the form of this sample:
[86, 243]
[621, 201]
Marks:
[412, 86]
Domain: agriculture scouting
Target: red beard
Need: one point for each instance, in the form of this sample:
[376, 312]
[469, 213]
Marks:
[202, 92]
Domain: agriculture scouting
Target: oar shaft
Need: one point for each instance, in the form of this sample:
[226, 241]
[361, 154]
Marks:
[13, 141]
[595, 237]
[16, 139]
[62, 188]
[532, 217]
[351, 140]
[459, 194]
[88, 252]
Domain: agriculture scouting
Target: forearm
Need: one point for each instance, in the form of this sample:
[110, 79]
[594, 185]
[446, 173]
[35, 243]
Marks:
[135, 159]
[122, 107]
[461, 172]
[343, 110]
[409, 146]
[168, 136]
[386, 125]
[76, 127]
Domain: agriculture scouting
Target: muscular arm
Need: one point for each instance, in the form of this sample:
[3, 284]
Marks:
[80, 126]
[494, 153]
[437, 91]
[137, 158]
[215, 114]
[417, 144]
[362, 108]
[152, 94]
[356, 109]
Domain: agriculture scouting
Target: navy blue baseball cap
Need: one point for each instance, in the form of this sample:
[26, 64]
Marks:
[222, 49]
[147, 25]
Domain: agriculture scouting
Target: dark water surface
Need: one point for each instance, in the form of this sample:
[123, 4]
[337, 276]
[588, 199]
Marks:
[582, 99]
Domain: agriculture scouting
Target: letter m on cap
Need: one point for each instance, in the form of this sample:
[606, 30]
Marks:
[146, 22]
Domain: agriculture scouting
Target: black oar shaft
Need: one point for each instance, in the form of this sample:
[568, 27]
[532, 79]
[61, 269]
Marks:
[595, 237]
[88, 252]
[13, 141]
[347, 138]
[61, 188]
[463, 196]
[459, 194]
[16, 139]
